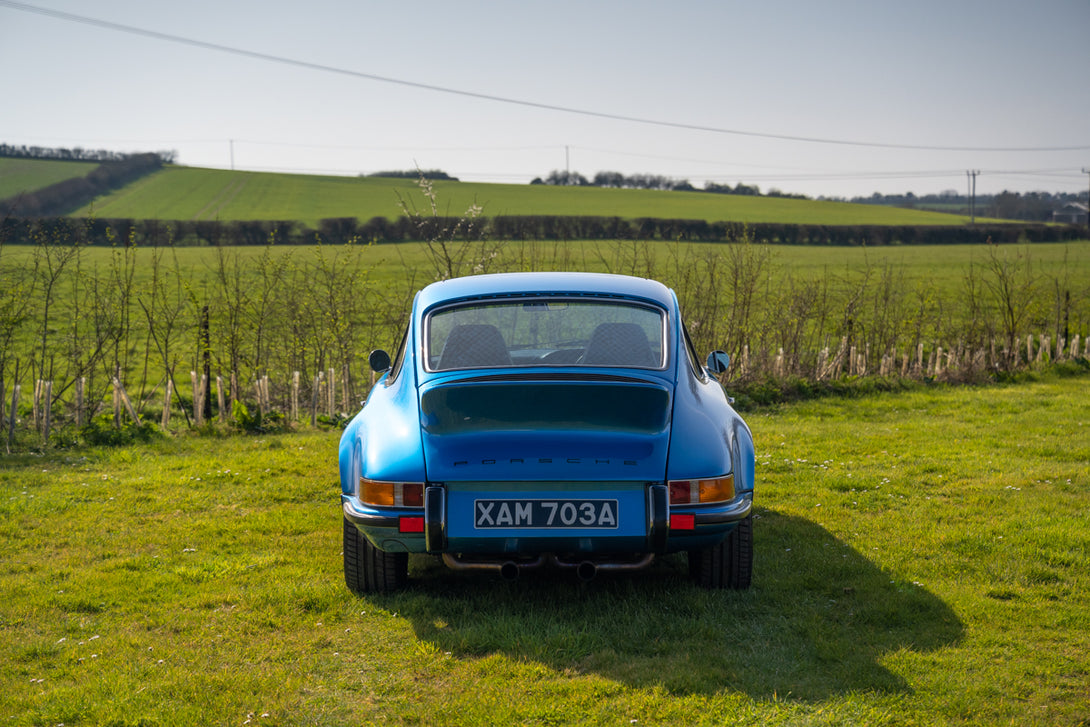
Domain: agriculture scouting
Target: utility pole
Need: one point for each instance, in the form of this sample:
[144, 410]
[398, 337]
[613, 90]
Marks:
[232, 155]
[567, 165]
[970, 175]
[968, 191]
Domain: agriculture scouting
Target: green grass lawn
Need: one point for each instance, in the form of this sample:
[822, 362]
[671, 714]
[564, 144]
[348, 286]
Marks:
[185, 193]
[23, 175]
[920, 558]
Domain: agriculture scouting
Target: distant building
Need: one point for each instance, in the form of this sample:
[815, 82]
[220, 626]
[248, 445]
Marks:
[1072, 213]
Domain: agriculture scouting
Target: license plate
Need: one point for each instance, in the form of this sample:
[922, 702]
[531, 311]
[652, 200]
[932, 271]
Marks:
[544, 514]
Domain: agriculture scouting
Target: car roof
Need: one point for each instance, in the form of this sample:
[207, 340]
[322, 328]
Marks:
[519, 284]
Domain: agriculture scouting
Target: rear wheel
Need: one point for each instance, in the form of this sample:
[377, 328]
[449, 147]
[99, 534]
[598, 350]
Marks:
[368, 569]
[729, 564]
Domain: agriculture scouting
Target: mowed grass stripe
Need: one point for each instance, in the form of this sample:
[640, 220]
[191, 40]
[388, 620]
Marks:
[183, 193]
[228, 193]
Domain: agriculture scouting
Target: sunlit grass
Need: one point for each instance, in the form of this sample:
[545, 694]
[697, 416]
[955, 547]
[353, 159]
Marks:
[932, 270]
[921, 558]
[186, 193]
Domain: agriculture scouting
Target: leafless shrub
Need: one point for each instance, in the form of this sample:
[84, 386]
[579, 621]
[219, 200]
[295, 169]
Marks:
[1011, 285]
[797, 318]
[456, 246]
[168, 304]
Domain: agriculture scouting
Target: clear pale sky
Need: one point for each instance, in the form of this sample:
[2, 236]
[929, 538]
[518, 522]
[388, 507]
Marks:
[979, 78]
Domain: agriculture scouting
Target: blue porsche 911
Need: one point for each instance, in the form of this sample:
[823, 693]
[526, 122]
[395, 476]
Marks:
[535, 420]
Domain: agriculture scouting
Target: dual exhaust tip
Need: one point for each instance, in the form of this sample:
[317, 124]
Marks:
[585, 570]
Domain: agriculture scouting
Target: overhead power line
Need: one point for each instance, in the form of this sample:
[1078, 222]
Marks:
[96, 22]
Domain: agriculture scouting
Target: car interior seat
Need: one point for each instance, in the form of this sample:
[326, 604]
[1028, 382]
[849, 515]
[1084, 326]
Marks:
[620, 344]
[472, 346]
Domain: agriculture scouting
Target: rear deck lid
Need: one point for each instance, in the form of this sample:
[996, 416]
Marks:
[559, 428]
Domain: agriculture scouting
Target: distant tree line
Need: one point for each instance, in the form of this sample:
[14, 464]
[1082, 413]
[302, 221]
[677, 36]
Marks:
[71, 194]
[415, 174]
[379, 230]
[76, 154]
[1028, 206]
[617, 180]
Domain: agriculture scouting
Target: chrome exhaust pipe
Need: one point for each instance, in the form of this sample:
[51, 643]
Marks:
[588, 569]
[509, 571]
[639, 564]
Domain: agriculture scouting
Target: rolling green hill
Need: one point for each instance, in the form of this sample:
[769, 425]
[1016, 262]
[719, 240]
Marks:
[186, 193]
[27, 175]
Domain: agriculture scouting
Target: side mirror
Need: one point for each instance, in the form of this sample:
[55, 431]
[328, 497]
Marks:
[379, 361]
[718, 362]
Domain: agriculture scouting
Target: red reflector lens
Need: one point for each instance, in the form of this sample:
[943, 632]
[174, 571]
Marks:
[412, 495]
[681, 492]
[410, 524]
[682, 521]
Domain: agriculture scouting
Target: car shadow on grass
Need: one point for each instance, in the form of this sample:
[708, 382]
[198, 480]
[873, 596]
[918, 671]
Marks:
[817, 621]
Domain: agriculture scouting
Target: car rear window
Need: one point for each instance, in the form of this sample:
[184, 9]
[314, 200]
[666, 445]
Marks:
[527, 332]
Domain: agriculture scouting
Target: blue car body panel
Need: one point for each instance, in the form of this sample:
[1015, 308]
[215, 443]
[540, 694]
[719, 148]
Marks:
[508, 446]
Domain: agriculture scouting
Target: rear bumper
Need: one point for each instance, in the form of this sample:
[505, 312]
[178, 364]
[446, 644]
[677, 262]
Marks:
[665, 529]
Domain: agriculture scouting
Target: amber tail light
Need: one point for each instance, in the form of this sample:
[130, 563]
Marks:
[391, 494]
[696, 492]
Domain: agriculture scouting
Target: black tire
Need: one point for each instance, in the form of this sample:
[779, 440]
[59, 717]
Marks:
[368, 569]
[729, 564]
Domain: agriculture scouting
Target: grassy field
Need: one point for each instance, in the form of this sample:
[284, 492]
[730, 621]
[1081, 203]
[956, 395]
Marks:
[920, 558]
[20, 175]
[938, 273]
[276, 310]
[184, 193]
[942, 269]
